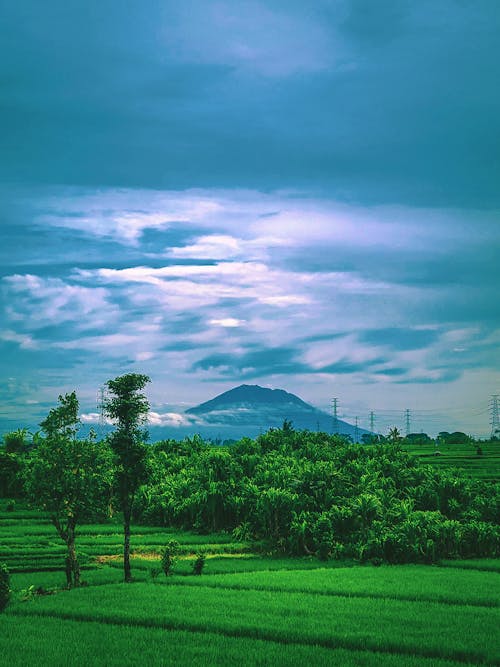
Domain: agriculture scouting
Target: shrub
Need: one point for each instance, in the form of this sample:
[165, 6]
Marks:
[169, 557]
[199, 563]
[4, 587]
[10, 506]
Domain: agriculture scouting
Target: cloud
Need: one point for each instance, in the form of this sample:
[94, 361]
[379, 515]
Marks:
[153, 419]
[252, 364]
[35, 302]
[171, 419]
[209, 247]
[252, 36]
[373, 106]
[229, 322]
[399, 338]
[202, 183]
[25, 341]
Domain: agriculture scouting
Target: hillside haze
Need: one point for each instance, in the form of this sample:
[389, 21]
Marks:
[250, 408]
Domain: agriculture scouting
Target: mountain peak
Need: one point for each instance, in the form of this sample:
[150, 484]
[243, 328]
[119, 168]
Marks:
[252, 394]
[250, 407]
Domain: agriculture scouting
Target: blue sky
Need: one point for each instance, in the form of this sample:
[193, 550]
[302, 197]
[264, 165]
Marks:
[299, 195]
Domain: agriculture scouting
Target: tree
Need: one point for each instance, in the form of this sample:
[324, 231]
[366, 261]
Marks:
[418, 439]
[394, 436]
[16, 442]
[71, 479]
[64, 419]
[128, 408]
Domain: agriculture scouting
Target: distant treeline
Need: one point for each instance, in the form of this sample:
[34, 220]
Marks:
[302, 492]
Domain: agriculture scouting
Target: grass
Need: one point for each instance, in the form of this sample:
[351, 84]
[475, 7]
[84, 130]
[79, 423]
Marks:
[50, 642]
[403, 582]
[485, 467]
[246, 608]
[380, 625]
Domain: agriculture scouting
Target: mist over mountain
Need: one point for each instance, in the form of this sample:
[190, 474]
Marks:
[250, 409]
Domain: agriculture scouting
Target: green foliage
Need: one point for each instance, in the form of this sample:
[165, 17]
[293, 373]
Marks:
[455, 438]
[394, 436]
[128, 408]
[63, 420]
[417, 439]
[16, 442]
[169, 556]
[309, 493]
[68, 478]
[4, 586]
[199, 563]
[10, 467]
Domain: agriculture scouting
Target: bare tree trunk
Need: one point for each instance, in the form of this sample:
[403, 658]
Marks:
[126, 544]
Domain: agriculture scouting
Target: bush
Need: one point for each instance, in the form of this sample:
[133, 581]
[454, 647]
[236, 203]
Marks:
[199, 563]
[4, 587]
[169, 557]
[10, 506]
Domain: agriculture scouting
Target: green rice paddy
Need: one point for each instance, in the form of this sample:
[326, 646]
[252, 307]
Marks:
[485, 466]
[246, 608]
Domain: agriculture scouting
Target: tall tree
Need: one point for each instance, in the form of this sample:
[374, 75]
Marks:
[128, 407]
[70, 479]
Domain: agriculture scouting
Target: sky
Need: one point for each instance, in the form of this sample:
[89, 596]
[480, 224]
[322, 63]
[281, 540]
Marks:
[299, 195]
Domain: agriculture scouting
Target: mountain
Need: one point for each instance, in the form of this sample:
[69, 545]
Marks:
[249, 409]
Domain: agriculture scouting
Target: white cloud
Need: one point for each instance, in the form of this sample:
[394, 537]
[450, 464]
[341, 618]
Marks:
[228, 322]
[39, 302]
[25, 341]
[216, 246]
[169, 419]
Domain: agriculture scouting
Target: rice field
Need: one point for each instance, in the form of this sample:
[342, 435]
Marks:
[485, 466]
[245, 608]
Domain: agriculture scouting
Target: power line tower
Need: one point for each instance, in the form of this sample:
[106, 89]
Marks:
[372, 421]
[335, 424]
[356, 430]
[494, 418]
[407, 421]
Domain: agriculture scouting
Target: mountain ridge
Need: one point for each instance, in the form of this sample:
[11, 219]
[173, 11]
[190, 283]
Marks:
[250, 393]
[251, 407]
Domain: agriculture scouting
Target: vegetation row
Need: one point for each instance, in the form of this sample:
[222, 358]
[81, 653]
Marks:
[295, 492]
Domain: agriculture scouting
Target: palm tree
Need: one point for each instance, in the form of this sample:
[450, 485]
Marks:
[394, 435]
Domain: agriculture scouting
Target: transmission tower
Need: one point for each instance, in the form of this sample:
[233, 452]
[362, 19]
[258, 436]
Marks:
[356, 430]
[335, 424]
[494, 418]
[372, 421]
[407, 421]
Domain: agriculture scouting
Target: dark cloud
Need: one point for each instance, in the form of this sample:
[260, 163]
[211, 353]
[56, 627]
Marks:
[409, 113]
[253, 364]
